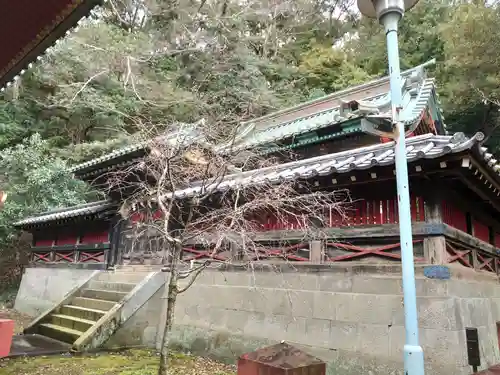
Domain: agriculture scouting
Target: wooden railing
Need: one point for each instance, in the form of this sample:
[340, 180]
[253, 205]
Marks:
[91, 247]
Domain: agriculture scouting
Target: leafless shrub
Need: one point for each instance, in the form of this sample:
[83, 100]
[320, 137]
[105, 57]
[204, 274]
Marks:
[200, 209]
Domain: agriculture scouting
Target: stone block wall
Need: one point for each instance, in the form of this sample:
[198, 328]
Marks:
[351, 316]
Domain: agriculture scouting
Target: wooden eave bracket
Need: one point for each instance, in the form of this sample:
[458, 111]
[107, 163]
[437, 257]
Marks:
[375, 123]
[483, 175]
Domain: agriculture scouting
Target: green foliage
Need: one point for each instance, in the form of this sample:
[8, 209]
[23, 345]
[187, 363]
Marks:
[36, 181]
[133, 362]
[419, 38]
[329, 70]
[471, 73]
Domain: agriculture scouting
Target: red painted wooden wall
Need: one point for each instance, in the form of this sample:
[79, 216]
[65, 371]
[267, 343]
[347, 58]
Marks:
[453, 216]
[362, 212]
[43, 242]
[95, 237]
[66, 239]
[481, 231]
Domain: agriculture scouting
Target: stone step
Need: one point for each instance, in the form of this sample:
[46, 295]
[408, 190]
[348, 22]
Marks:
[92, 303]
[108, 285]
[71, 322]
[106, 295]
[82, 312]
[120, 276]
[59, 333]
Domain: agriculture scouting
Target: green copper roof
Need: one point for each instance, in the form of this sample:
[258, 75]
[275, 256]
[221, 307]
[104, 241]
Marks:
[352, 126]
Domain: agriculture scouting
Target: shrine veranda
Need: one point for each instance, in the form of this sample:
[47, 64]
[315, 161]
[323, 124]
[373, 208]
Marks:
[346, 275]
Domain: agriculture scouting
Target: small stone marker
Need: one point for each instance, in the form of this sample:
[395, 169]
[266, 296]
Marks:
[437, 272]
[280, 359]
[6, 334]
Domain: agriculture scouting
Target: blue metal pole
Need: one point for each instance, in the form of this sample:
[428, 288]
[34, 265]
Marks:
[413, 353]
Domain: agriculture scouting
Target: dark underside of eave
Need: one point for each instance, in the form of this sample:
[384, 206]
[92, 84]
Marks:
[45, 14]
[104, 216]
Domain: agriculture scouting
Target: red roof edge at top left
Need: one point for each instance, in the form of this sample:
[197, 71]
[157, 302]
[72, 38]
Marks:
[29, 27]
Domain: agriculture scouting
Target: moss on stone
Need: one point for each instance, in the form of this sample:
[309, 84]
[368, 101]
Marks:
[133, 362]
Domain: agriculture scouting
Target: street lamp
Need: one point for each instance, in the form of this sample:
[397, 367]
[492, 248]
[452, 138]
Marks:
[389, 12]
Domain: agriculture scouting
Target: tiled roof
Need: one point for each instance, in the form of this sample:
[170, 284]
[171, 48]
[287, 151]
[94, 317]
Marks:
[427, 146]
[65, 213]
[185, 133]
[112, 155]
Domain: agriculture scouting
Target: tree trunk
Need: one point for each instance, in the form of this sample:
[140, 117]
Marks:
[171, 300]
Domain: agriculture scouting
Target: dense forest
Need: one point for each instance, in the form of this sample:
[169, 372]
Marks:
[141, 63]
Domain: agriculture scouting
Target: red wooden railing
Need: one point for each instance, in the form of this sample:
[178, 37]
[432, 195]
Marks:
[454, 217]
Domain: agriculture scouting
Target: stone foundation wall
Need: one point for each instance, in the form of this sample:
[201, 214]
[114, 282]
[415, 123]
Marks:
[351, 317]
[42, 288]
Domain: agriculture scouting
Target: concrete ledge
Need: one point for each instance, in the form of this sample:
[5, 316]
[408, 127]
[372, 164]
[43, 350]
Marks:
[42, 288]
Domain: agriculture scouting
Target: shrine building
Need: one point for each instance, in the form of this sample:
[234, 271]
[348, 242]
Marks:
[341, 297]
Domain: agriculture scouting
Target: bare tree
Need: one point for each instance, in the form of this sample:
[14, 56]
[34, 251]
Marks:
[201, 210]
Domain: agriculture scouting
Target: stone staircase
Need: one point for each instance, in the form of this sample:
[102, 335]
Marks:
[91, 313]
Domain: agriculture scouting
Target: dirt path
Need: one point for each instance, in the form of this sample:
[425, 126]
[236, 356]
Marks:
[20, 319]
[133, 362]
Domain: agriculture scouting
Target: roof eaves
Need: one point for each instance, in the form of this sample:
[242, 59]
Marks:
[83, 167]
[418, 102]
[343, 93]
[66, 213]
[27, 59]
[427, 146]
[342, 133]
